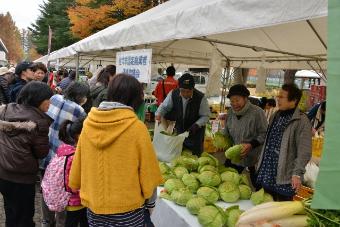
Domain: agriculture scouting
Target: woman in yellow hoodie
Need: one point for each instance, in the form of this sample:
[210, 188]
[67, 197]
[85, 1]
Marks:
[115, 166]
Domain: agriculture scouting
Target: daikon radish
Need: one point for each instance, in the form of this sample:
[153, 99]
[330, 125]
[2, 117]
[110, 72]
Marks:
[272, 213]
[292, 221]
[264, 205]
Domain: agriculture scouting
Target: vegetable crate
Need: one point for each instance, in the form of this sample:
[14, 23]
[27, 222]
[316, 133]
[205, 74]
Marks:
[304, 193]
[208, 145]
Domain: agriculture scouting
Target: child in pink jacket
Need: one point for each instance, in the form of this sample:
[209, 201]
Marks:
[69, 133]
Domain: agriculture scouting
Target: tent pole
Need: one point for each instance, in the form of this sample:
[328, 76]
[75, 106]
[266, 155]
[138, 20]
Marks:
[77, 66]
[323, 72]
[256, 48]
[225, 77]
[316, 33]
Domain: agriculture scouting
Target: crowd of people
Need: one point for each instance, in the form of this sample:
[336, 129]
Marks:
[47, 117]
[111, 171]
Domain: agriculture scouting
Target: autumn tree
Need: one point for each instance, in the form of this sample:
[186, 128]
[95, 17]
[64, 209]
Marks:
[10, 35]
[89, 16]
[53, 14]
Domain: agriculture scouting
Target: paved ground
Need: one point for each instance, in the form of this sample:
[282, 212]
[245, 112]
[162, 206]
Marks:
[37, 216]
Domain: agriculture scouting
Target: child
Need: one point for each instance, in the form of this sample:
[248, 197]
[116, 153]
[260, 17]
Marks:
[68, 134]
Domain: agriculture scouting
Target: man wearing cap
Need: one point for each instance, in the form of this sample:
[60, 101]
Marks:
[189, 108]
[3, 85]
[246, 124]
[24, 74]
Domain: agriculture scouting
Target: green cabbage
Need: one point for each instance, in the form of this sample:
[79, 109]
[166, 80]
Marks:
[202, 161]
[221, 141]
[268, 197]
[208, 193]
[229, 192]
[188, 162]
[195, 204]
[233, 213]
[234, 153]
[207, 168]
[245, 191]
[209, 178]
[206, 154]
[260, 197]
[244, 179]
[211, 216]
[173, 184]
[231, 177]
[195, 174]
[180, 171]
[181, 196]
[168, 175]
[164, 167]
[191, 182]
[165, 195]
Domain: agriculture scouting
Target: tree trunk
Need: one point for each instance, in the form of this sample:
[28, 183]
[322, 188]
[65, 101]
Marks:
[289, 76]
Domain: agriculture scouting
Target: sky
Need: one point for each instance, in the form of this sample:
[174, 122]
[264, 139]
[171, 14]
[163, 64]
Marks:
[24, 12]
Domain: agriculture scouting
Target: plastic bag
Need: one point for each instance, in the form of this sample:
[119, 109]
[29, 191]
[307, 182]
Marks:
[312, 171]
[167, 147]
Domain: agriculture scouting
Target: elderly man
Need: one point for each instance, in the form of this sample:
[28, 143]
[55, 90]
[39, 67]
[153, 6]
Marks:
[189, 108]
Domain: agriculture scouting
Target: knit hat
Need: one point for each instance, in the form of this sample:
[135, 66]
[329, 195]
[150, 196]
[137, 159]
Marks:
[238, 89]
[22, 67]
[3, 71]
[186, 81]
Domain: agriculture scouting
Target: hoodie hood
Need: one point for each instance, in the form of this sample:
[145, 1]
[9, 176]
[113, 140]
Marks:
[65, 149]
[103, 127]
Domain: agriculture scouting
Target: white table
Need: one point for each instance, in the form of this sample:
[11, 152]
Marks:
[169, 214]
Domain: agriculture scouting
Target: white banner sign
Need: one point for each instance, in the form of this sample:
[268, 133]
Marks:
[136, 63]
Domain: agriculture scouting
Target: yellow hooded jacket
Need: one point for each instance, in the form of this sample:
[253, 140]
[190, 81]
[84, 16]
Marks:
[115, 166]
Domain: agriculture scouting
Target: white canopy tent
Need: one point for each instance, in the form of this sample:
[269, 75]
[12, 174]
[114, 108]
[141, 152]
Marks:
[274, 34]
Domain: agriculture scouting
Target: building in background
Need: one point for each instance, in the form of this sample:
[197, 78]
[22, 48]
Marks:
[3, 54]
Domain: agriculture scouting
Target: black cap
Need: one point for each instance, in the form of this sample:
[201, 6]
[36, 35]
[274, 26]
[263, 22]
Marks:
[22, 66]
[186, 81]
[238, 89]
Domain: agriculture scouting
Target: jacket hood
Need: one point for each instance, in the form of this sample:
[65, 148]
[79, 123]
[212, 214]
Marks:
[65, 149]
[8, 126]
[103, 127]
[18, 117]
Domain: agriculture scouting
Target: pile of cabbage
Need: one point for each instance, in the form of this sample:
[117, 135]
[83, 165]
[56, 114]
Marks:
[198, 183]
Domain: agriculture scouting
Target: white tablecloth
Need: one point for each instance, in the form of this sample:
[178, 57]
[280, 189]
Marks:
[169, 214]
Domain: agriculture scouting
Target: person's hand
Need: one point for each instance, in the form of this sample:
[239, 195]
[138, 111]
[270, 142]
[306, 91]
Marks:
[313, 131]
[194, 128]
[296, 183]
[246, 149]
[58, 90]
[158, 118]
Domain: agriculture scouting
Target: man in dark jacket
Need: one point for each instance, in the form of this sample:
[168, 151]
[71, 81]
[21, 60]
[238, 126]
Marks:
[189, 108]
[24, 74]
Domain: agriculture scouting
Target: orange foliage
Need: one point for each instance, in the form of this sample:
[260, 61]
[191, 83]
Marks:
[10, 35]
[87, 19]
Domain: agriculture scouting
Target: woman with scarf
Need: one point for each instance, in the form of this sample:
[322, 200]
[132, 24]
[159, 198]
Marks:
[246, 124]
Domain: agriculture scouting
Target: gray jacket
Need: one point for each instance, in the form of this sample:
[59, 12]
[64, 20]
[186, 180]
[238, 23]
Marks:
[252, 126]
[296, 148]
